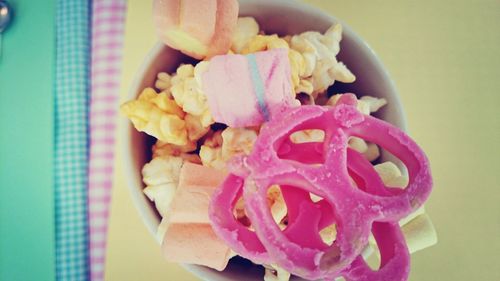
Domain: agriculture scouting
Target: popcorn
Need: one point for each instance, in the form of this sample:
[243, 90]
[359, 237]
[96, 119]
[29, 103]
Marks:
[158, 116]
[358, 144]
[319, 52]
[195, 129]
[236, 141]
[372, 152]
[264, 42]
[277, 204]
[328, 234]
[365, 104]
[161, 177]
[163, 83]
[212, 157]
[187, 93]
[211, 152]
[246, 29]
[391, 175]
[223, 145]
[303, 136]
[374, 104]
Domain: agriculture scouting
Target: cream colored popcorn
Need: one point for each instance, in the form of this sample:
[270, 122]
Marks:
[374, 104]
[161, 177]
[391, 175]
[237, 141]
[358, 144]
[329, 234]
[313, 135]
[319, 52]
[158, 116]
[195, 129]
[212, 157]
[264, 42]
[372, 152]
[186, 90]
[246, 29]
[223, 145]
[211, 152]
[365, 104]
[163, 82]
[277, 203]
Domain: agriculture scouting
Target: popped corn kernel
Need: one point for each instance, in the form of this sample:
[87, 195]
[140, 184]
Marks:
[365, 104]
[313, 135]
[319, 52]
[277, 204]
[187, 92]
[163, 82]
[264, 42]
[246, 29]
[236, 141]
[372, 152]
[195, 129]
[328, 234]
[358, 144]
[212, 157]
[374, 104]
[391, 175]
[211, 151]
[158, 116]
[161, 176]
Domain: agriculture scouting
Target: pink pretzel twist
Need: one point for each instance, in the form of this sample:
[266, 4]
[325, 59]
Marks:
[324, 169]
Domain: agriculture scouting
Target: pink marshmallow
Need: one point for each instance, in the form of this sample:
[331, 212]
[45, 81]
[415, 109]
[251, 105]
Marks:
[247, 90]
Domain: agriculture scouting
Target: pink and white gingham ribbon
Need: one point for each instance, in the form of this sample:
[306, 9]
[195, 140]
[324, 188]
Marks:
[108, 23]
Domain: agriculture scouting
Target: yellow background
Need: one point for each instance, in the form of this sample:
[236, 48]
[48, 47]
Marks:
[445, 59]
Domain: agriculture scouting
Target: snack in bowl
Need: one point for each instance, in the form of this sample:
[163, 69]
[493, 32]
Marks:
[268, 161]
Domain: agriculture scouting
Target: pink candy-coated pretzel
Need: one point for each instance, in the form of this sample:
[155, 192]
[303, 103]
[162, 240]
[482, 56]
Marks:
[274, 160]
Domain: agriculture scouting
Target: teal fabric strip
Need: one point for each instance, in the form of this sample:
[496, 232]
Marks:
[71, 138]
[258, 85]
[26, 143]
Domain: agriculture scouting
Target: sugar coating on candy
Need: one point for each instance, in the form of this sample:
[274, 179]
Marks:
[355, 210]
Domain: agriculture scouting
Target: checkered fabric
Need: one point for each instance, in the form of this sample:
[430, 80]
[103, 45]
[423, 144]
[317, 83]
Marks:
[71, 139]
[108, 19]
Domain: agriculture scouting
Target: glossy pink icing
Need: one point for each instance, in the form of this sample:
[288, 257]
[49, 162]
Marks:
[357, 212]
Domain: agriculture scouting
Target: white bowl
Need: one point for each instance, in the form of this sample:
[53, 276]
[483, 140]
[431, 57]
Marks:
[278, 16]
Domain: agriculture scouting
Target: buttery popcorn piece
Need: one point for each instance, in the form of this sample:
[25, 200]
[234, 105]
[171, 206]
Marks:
[236, 141]
[161, 177]
[246, 29]
[319, 52]
[187, 92]
[163, 83]
[158, 116]
[391, 175]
